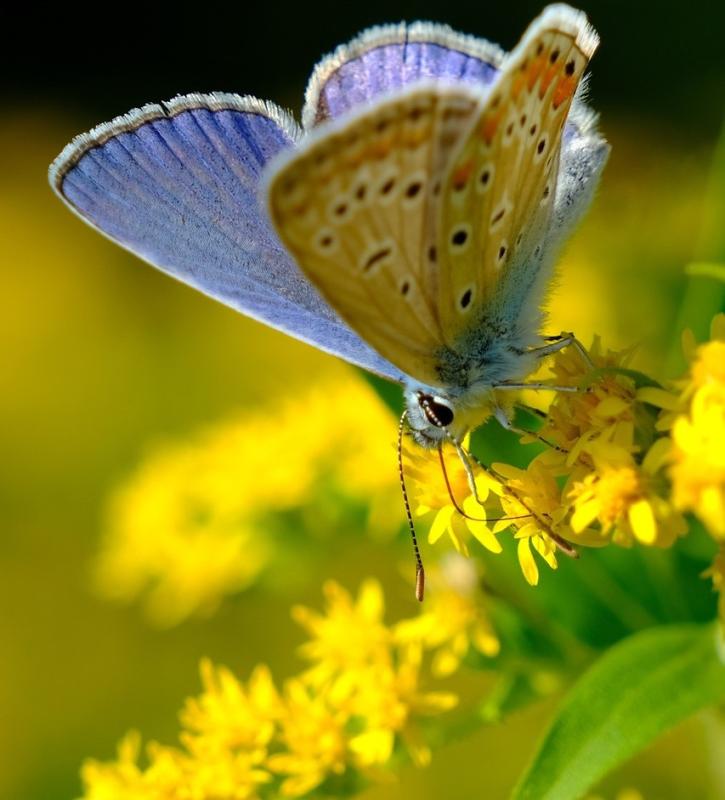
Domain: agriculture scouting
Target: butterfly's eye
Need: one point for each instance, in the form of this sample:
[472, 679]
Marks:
[436, 410]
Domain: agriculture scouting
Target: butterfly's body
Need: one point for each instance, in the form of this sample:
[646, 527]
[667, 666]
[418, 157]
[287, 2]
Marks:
[411, 226]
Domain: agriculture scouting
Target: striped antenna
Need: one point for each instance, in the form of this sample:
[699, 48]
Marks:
[419, 571]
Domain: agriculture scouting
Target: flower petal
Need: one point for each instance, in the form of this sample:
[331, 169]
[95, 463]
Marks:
[611, 407]
[440, 524]
[528, 565]
[484, 535]
[584, 515]
[658, 397]
[642, 520]
[657, 456]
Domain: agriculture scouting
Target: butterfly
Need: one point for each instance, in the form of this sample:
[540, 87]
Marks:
[410, 226]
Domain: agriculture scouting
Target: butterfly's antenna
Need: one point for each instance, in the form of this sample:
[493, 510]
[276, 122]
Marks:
[458, 507]
[419, 571]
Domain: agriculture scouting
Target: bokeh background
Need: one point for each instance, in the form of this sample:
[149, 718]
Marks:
[101, 357]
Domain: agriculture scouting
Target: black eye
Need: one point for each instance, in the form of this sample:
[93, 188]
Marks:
[437, 413]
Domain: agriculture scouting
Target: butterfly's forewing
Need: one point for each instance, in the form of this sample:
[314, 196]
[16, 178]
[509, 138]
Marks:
[178, 184]
[357, 204]
[387, 58]
[500, 188]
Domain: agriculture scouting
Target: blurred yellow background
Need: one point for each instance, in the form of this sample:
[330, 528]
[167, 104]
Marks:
[102, 358]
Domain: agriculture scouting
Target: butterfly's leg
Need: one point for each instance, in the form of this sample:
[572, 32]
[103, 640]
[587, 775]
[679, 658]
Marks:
[536, 386]
[556, 343]
[469, 472]
[506, 423]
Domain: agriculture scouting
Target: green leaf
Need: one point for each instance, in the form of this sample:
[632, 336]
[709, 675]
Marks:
[707, 270]
[636, 691]
[390, 393]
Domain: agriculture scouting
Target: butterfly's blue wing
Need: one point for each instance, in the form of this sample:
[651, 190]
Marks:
[177, 184]
[388, 57]
[385, 58]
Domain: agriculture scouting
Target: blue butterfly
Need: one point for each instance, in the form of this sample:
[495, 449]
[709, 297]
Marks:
[409, 227]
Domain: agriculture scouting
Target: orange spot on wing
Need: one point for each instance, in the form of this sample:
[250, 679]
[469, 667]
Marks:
[536, 68]
[462, 174]
[414, 139]
[517, 85]
[564, 90]
[490, 125]
[546, 80]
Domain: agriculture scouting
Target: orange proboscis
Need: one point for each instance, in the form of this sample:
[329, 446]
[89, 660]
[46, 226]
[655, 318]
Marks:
[564, 90]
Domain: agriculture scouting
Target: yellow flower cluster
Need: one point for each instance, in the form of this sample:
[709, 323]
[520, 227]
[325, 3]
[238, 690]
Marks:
[627, 459]
[698, 435]
[192, 523]
[343, 719]
[694, 416]
[617, 469]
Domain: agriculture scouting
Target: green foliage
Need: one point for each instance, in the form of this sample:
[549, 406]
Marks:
[635, 692]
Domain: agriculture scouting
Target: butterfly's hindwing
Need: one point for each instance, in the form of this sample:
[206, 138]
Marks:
[499, 191]
[357, 206]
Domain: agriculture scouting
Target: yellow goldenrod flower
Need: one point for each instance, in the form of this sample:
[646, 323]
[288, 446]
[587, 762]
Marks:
[693, 413]
[172, 773]
[313, 734]
[698, 459]
[349, 637]
[532, 506]
[365, 676]
[433, 501]
[229, 715]
[706, 370]
[708, 367]
[246, 740]
[190, 526]
[170, 536]
[606, 408]
[211, 773]
[389, 700]
[453, 619]
[623, 498]
[122, 778]
[698, 436]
